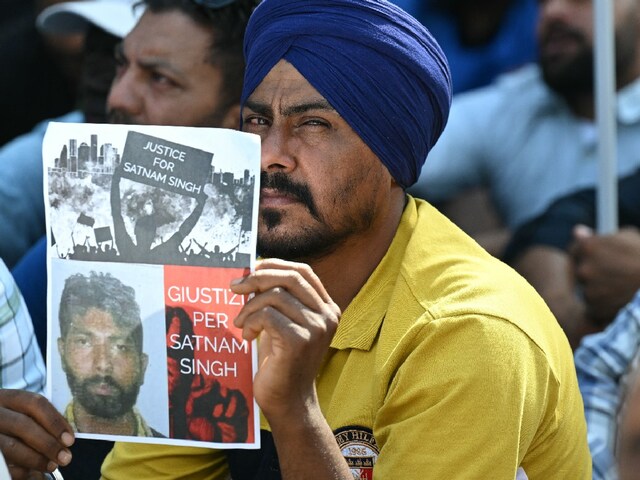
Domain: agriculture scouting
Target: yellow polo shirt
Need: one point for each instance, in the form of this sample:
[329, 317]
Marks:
[447, 364]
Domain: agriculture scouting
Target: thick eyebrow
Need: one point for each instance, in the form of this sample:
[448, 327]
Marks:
[159, 64]
[305, 107]
[265, 109]
[147, 63]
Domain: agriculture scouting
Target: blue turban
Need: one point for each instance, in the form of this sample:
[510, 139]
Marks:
[375, 64]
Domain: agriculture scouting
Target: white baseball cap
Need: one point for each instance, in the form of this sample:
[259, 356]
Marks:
[118, 17]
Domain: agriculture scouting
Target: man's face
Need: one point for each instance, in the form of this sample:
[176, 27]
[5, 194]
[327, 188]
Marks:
[104, 366]
[566, 43]
[164, 75]
[321, 185]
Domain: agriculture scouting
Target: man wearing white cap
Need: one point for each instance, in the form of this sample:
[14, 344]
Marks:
[161, 78]
[21, 199]
[116, 17]
[102, 23]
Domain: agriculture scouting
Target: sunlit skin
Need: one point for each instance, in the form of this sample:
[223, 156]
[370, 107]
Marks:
[357, 204]
[167, 78]
[96, 346]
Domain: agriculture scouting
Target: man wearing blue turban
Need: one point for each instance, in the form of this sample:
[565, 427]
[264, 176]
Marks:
[391, 344]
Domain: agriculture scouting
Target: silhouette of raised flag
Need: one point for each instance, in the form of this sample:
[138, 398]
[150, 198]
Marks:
[86, 220]
[103, 234]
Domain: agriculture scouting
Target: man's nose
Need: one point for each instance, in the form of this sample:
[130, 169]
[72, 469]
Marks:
[124, 95]
[278, 151]
[101, 356]
[555, 10]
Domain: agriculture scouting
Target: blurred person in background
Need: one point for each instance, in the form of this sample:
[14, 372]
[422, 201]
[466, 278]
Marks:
[480, 39]
[101, 23]
[530, 137]
[41, 74]
[585, 278]
[182, 65]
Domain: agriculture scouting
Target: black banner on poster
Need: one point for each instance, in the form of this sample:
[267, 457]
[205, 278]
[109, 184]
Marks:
[164, 164]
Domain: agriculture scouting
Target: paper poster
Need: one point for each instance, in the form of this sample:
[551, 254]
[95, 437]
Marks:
[147, 226]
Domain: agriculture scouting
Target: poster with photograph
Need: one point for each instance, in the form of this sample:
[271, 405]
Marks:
[147, 226]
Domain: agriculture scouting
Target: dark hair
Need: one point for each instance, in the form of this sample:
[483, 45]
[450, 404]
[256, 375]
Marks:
[227, 25]
[103, 292]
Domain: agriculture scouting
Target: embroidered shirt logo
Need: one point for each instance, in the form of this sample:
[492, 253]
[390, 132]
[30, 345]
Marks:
[359, 449]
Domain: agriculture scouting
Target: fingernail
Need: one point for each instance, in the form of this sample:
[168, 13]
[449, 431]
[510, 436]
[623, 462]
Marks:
[51, 466]
[67, 439]
[237, 281]
[583, 230]
[64, 457]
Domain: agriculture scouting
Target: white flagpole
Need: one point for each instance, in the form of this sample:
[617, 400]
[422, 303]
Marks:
[606, 109]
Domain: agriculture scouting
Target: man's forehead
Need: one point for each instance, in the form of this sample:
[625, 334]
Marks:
[285, 88]
[93, 315]
[170, 36]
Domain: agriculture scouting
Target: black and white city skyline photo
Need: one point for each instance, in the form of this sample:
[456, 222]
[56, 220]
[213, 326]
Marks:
[111, 201]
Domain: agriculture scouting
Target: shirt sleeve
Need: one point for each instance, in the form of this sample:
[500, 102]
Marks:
[21, 195]
[554, 228]
[601, 360]
[477, 398]
[21, 363]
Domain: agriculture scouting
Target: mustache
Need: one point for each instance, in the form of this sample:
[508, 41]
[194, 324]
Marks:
[281, 183]
[98, 379]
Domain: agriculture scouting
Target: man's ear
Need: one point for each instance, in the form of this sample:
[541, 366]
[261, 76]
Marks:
[61, 352]
[144, 361]
[232, 117]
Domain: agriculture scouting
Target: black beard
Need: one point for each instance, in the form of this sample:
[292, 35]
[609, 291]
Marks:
[576, 77]
[99, 405]
[304, 245]
[310, 242]
[572, 76]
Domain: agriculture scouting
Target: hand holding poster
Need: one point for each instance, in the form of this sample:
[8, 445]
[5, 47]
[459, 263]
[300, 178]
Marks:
[147, 228]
